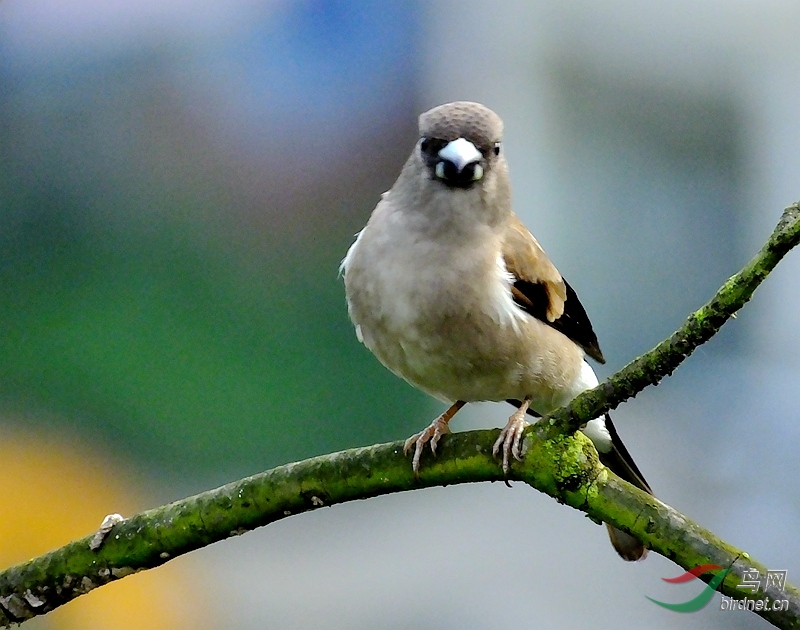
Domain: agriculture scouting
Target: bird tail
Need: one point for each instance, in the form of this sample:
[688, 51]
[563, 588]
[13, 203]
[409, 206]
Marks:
[619, 460]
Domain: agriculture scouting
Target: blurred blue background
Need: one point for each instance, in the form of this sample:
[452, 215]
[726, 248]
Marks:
[179, 181]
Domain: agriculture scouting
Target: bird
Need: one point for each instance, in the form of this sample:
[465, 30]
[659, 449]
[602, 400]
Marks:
[450, 291]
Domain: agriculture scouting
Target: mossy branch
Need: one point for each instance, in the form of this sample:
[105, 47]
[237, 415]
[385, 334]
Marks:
[700, 326]
[557, 461]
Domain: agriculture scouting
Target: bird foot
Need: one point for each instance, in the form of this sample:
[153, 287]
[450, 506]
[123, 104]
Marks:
[432, 434]
[510, 440]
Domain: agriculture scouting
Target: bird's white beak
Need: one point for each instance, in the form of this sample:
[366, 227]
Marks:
[460, 152]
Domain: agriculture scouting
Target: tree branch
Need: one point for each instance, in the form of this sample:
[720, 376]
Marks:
[700, 326]
[557, 461]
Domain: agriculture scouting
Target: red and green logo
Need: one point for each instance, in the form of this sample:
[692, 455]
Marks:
[696, 603]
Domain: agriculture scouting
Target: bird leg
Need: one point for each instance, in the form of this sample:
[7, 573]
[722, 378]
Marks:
[431, 434]
[510, 439]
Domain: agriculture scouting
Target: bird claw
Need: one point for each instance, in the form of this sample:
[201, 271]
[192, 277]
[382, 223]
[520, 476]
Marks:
[510, 440]
[432, 434]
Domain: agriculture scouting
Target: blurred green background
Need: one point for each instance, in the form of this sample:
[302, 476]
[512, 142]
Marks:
[175, 294]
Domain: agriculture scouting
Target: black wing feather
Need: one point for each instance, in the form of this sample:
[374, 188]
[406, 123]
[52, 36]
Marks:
[574, 322]
[620, 461]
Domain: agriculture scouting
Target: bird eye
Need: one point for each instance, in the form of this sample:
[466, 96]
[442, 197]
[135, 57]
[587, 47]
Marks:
[424, 145]
[497, 148]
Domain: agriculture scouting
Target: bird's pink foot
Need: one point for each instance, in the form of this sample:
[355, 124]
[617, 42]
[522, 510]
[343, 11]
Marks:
[510, 440]
[432, 434]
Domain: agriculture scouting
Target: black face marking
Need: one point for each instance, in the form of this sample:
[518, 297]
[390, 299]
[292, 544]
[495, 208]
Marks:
[424, 145]
[429, 150]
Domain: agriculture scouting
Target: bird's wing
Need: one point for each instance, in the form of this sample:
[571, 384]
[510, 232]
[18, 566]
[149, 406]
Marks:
[539, 289]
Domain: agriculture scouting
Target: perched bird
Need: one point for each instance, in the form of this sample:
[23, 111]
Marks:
[451, 292]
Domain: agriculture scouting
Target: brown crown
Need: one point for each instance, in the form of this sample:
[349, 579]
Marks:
[462, 119]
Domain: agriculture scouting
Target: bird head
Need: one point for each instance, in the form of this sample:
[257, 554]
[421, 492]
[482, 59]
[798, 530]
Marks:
[460, 144]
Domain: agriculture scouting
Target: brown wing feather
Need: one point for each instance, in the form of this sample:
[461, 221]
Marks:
[541, 291]
[526, 260]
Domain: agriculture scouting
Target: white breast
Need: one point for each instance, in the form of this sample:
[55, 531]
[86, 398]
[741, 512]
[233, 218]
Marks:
[439, 312]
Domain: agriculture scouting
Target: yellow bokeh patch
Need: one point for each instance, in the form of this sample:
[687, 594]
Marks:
[55, 490]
